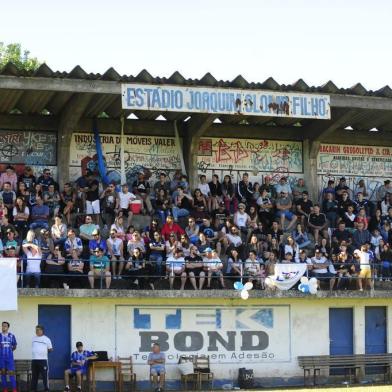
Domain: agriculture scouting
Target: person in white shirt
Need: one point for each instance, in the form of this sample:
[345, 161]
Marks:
[34, 257]
[116, 253]
[175, 266]
[213, 265]
[321, 270]
[365, 274]
[203, 186]
[126, 198]
[242, 220]
[41, 346]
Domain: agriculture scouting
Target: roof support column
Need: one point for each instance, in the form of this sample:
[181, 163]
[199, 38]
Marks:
[69, 119]
[311, 148]
[193, 131]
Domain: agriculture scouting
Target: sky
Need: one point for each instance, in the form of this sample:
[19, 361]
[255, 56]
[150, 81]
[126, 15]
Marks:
[346, 41]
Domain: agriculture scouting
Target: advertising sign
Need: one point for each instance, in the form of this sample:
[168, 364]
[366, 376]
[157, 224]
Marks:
[173, 98]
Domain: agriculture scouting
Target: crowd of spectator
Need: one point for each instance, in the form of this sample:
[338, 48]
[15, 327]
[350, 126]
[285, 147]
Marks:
[220, 231]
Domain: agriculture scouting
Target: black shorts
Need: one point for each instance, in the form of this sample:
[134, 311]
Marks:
[196, 271]
[125, 212]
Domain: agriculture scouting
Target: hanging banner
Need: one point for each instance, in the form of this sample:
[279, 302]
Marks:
[254, 155]
[155, 153]
[351, 160]
[286, 275]
[8, 287]
[173, 98]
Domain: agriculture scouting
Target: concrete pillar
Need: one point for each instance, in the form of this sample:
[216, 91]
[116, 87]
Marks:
[193, 131]
[69, 118]
[359, 334]
[310, 150]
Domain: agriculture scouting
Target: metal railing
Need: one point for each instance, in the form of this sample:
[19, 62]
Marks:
[155, 271]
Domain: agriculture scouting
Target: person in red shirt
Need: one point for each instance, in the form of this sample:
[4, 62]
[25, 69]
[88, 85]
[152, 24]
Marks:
[171, 227]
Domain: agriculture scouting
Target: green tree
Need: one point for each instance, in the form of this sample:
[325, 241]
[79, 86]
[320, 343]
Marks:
[20, 58]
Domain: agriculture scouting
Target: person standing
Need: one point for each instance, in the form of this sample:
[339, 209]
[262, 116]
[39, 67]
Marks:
[41, 346]
[7, 364]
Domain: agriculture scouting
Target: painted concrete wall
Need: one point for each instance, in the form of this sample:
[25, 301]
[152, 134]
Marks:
[300, 327]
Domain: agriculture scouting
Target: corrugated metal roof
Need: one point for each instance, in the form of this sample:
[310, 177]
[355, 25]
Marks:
[207, 80]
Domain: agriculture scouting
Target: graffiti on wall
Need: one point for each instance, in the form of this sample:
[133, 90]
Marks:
[372, 183]
[253, 155]
[28, 147]
[152, 154]
[365, 161]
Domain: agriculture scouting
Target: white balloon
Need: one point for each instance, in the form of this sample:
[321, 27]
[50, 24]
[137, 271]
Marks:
[312, 290]
[313, 284]
[244, 294]
[248, 286]
[304, 280]
[312, 280]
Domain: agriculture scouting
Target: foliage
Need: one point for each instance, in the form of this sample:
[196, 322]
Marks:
[20, 58]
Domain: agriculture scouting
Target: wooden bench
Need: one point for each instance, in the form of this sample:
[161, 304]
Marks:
[23, 368]
[349, 363]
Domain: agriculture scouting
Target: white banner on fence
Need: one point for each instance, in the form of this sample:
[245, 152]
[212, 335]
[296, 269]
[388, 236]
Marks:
[286, 275]
[173, 98]
[8, 289]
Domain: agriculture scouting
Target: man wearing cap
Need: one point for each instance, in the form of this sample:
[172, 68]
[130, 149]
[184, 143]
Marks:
[41, 346]
[97, 242]
[99, 267]
[79, 365]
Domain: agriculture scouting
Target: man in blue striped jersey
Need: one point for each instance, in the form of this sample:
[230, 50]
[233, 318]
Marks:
[79, 365]
[7, 365]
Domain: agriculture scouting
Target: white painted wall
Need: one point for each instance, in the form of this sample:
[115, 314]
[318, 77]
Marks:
[94, 322]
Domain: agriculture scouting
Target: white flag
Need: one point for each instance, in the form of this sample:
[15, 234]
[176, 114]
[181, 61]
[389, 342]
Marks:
[286, 275]
[8, 286]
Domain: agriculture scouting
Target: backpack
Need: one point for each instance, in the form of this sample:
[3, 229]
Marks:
[245, 378]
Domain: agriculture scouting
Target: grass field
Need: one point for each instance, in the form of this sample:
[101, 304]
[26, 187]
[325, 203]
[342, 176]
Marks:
[368, 388]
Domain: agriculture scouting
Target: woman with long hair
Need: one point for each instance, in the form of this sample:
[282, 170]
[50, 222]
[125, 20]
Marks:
[21, 215]
[199, 209]
[229, 197]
